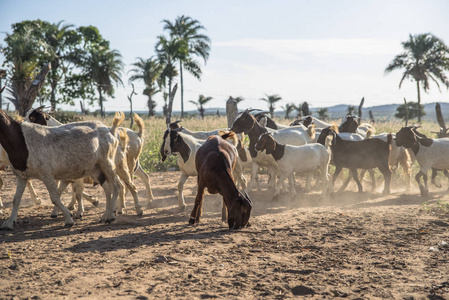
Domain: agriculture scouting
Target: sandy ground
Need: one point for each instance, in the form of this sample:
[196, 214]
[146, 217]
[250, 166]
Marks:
[361, 246]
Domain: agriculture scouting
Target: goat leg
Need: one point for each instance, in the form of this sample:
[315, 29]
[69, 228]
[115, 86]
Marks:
[196, 211]
[9, 223]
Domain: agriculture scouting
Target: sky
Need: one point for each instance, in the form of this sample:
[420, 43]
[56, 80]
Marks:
[325, 52]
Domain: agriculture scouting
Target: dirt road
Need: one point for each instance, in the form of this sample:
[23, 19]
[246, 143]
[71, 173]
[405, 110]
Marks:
[355, 245]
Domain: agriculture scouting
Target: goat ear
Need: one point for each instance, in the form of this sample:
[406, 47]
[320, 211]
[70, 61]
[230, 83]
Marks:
[270, 145]
[241, 151]
[263, 121]
[161, 151]
[184, 149]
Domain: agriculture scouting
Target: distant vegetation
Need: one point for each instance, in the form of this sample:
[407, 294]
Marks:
[426, 58]
[86, 69]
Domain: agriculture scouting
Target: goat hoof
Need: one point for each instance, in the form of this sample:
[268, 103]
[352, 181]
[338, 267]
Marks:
[424, 192]
[68, 225]
[70, 207]
[109, 221]
[96, 203]
[192, 221]
[38, 201]
[139, 213]
[7, 227]
[386, 192]
[182, 209]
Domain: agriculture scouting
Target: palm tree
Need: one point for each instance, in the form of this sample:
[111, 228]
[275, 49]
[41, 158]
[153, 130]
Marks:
[104, 67]
[288, 108]
[59, 38]
[199, 104]
[169, 51]
[323, 113]
[425, 57]
[147, 70]
[22, 61]
[188, 30]
[350, 109]
[271, 100]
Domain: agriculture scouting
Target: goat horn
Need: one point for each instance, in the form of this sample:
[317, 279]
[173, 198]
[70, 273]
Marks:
[248, 110]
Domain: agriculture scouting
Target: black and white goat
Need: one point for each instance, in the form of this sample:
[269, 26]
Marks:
[297, 135]
[60, 153]
[429, 153]
[305, 159]
[365, 154]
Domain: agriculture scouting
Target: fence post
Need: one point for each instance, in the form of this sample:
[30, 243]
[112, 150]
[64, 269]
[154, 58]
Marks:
[231, 111]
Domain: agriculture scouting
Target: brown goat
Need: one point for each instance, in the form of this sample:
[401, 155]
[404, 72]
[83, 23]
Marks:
[365, 154]
[214, 162]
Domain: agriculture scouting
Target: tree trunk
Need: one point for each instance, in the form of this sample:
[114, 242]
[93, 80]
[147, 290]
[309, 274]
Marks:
[53, 95]
[101, 103]
[150, 103]
[182, 89]
[172, 94]
[419, 102]
[31, 94]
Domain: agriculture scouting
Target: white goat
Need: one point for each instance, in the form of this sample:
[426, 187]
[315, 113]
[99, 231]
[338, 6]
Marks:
[124, 169]
[60, 153]
[296, 135]
[306, 159]
[201, 135]
[429, 153]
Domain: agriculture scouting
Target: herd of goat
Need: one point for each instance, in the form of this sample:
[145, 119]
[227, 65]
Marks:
[62, 154]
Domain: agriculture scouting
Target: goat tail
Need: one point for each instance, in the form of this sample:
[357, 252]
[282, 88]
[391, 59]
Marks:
[369, 133]
[228, 135]
[334, 127]
[124, 139]
[389, 138]
[118, 119]
[328, 142]
[140, 124]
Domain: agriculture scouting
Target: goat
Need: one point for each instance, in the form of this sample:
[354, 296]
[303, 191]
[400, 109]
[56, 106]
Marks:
[214, 164]
[398, 156]
[60, 153]
[201, 135]
[177, 142]
[308, 120]
[124, 169]
[365, 154]
[350, 124]
[306, 158]
[297, 135]
[270, 123]
[430, 153]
